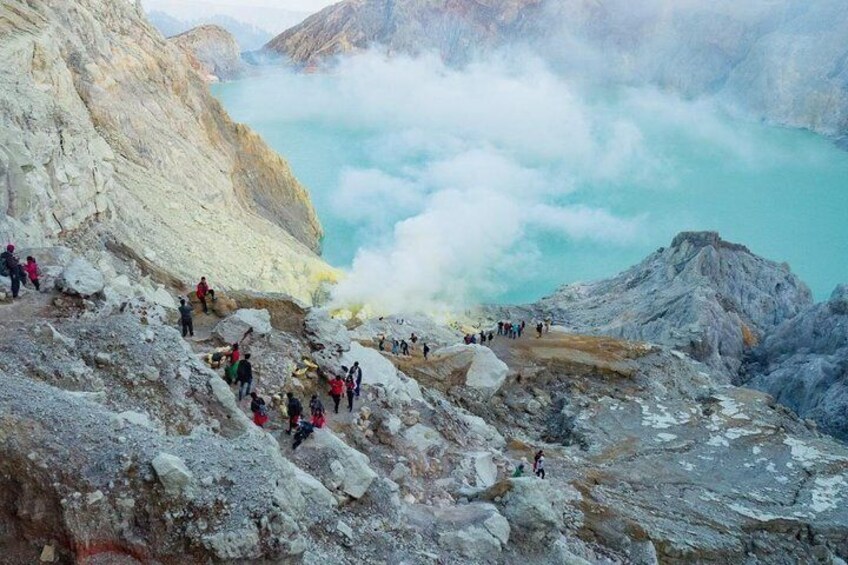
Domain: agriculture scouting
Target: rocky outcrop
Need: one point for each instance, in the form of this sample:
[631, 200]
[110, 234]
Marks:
[108, 135]
[212, 51]
[233, 328]
[804, 364]
[80, 278]
[709, 298]
[453, 29]
[481, 369]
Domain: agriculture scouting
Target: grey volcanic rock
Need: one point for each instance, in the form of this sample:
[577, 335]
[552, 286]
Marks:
[804, 364]
[707, 297]
[80, 278]
[212, 51]
[453, 29]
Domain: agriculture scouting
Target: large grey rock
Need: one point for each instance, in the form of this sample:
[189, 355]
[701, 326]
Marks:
[172, 473]
[232, 328]
[709, 298]
[476, 532]
[80, 278]
[483, 370]
[804, 364]
[337, 465]
[377, 370]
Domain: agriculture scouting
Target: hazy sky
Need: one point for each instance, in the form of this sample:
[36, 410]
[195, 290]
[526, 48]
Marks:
[272, 15]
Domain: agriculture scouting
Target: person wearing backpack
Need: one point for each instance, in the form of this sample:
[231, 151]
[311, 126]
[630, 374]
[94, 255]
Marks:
[304, 429]
[244, 377]
[539, 464]
[33, 272]
[337, 387]
[259, 409]
[295, 410]
[12, 268]
[186, 321]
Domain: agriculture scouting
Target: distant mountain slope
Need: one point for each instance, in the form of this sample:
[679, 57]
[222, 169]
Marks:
[454, 28]
[106, 133]
[784, 61]
[248, 36]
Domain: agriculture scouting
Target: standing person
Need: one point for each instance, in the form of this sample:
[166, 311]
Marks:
[202, 292]
[186, 318]
[482, 337]
[350, 386]
[548, 323]
[395, 346]
[539, 464]
[414, 339]
[516, 333]
[381, 345]
[539, 328]
[521, 327]
[12, 265]
[356, 372]
[491, 338]
[33, 272]
[337, 387]
[295, 410]
[426, 351]
[500, 328]
[244, 377]
[231, 372]
[404, 347]
[259, 408]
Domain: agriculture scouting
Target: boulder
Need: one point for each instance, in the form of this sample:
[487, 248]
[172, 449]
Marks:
[80, 278]
[482, 368]
[233, 328]
[422, 438]
[377, 370]
[477, 531]
[485, 470]
[327, 336]
[338, 466]
[172, 473]
[533, 507]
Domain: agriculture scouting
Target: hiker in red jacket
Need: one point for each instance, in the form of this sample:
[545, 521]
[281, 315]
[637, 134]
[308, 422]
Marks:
[337, 387]
[33, 272]
[203, 291]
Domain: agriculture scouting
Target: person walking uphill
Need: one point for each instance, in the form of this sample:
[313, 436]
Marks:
[244, 376]
[33, 272]
[350, 385]
[539, 464]
[259, 409]
[356, 372]
[202, 292]
[337, 387]
[186, 321]
[12, 268]
[295, 410]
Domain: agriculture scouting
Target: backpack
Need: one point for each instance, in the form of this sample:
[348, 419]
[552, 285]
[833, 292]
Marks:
[263, 409]
[4, 268]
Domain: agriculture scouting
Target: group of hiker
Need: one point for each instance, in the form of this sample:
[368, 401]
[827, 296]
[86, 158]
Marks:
[538, 466]
[402, 346]
[18, 273]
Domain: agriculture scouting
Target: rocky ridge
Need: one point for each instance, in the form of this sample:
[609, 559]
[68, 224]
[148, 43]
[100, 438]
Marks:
[212, 51]
[109, 138]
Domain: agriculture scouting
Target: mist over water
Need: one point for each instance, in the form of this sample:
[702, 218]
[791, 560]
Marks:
[499, 182]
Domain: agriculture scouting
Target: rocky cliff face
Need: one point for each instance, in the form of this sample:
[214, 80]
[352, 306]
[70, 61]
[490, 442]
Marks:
[707, 297]
[804, 364]
[455, 29]
[212, 51]
[108, 135]
[784, 61]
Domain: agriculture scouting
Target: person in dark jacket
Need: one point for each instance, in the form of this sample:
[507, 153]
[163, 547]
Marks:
[356, 372]
[295, 410]
[304, 429]
[259, 409]
[315, 405]
[426, 351]
[186, 321]
[244, 376]
[337, 387]
[12, 266]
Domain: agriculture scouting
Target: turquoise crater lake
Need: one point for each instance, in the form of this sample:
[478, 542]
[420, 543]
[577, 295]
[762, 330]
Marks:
[781, 192]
